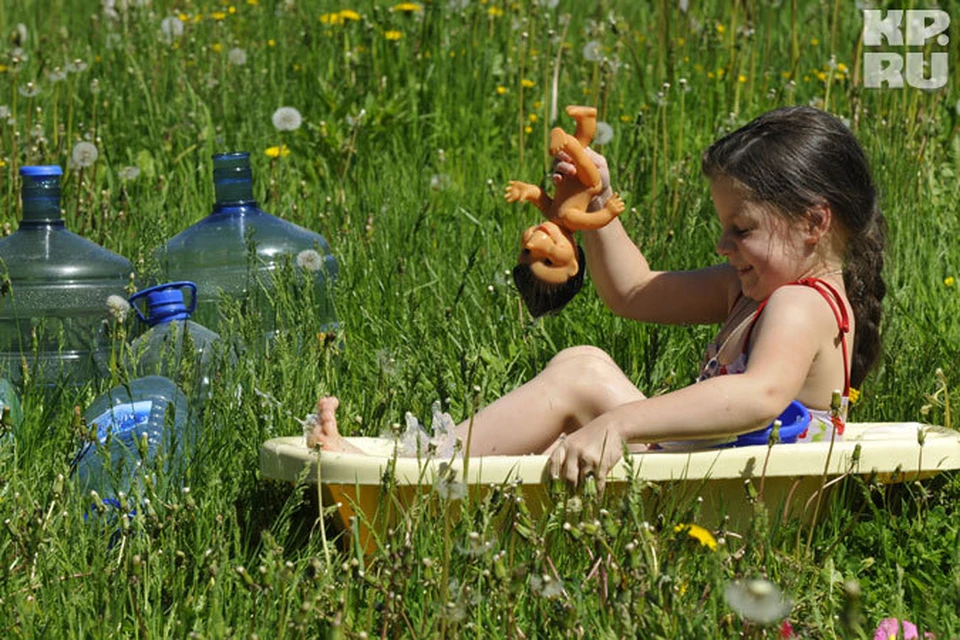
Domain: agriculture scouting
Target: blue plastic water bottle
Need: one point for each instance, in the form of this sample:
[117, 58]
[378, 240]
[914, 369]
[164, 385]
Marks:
[174, 345]
[133, 425]
[51, 318]
[215, 252]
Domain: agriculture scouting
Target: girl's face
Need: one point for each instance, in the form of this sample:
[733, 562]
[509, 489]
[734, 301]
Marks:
[767, 250]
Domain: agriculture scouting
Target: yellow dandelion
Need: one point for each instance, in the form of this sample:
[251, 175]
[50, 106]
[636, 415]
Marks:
[528, 129]
[741, 78]
[699, 534]
[842, 68]
[821, 75]
[182, 17]
[537, 104]
[3, 68]
[533, 117]
[814, 41]
[216, 47]
[253, 3]
[711, 75]
[198, 18]
[3, 163]
[786, 75]
[698, 67]
[331, 18]
[218, 15]
[271, 42]
[349, 14]
[277, 152]
[721, 72]
[681, 41]
[231, 9]
[526, 84]
[853, 395]
[392, 35]
[625, 118]
[408, 7]
[501, 90]
[949, 281]
[720, 28]
[494, 12]
[296, 67]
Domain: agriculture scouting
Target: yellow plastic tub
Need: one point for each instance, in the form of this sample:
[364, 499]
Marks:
[790, 474]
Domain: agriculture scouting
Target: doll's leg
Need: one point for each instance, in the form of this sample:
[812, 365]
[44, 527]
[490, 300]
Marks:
[578, 385]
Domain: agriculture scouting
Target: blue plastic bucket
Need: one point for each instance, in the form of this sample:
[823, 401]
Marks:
[793, 422]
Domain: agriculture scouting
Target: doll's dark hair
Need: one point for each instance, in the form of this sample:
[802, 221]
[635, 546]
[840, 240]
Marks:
[796, 158]
[544, 297]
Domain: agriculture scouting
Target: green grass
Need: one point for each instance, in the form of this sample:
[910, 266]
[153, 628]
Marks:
[428, 313]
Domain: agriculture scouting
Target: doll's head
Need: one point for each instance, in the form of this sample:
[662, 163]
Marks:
[550, 252]
[541, 296]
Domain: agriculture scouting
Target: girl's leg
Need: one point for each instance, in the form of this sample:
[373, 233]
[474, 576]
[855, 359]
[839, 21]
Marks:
[576, 386]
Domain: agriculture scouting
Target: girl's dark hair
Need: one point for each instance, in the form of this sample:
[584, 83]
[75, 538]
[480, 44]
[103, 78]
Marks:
[796, 158]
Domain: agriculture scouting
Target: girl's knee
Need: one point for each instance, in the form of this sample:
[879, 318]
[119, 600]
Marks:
[581, 356]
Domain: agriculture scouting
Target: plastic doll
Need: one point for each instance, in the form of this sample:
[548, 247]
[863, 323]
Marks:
[549, 273]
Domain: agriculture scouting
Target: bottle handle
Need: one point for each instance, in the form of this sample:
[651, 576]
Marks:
[179, 284]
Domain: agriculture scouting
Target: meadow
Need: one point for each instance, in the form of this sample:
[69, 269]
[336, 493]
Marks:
[414, 117]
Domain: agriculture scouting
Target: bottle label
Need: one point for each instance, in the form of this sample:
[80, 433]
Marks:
[121, 418]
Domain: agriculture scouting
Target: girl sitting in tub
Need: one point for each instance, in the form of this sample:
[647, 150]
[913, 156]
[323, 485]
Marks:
[799, 298]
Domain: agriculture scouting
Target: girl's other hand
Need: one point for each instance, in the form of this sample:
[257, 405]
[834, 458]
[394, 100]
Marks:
[564, 169]
[591, 450]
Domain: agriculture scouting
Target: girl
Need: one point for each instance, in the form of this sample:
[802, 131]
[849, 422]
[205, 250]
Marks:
[799, 298]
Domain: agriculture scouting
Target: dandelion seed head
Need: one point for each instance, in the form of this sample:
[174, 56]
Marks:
[237, 56]
[29, 90]
[593, 51]
[129, 173]
[22, 33]
[287, 119]
[5, 111]
[757, 600]
[171, 27]
[84, 154]
[117, 307]
[439, 181]
[56, 75]
[76, 66]
[310, 260]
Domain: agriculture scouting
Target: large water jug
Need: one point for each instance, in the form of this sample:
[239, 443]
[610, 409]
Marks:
[174, 346]
[11, 415]
[237, 250]
[52, 316]
[134, 427]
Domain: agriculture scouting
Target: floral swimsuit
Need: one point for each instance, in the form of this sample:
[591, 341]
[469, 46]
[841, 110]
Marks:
[822, 424]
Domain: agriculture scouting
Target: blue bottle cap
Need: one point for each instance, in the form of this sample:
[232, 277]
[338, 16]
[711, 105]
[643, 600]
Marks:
[165, 302]
[41, 171]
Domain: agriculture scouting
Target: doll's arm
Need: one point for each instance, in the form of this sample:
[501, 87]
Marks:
[527, 192]
[578, 220]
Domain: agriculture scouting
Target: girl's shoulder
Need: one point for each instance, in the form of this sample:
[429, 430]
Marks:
[815, 301]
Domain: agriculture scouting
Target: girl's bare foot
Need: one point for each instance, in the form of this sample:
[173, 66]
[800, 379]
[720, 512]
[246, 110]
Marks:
[325, 432]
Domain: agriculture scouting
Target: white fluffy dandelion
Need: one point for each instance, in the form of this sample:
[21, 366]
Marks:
[29, 90]
[56, 75]
[759, 601]
[237, 56]
[171, 27]
[84, 154]
[593, 51]
[118, 307]
[76, 66]
[129, 173]
[287, 119]
[310, 260]
[604, 133]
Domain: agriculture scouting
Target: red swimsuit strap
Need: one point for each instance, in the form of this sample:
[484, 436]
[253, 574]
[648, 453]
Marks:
[833, 298]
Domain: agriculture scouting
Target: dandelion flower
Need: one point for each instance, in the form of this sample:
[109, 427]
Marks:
[604, 133]
[277, 152]
[526, 83]
[408, 7]
[237, 56]
[392, 35]
[310, 260]
[129, 173]
[949, 281]
[287, 119]
[501, 90]
[84, 154]
[758, 600]
[218, 16]
[593, 51]
[698, 533]
[117, 307]
[171, 28]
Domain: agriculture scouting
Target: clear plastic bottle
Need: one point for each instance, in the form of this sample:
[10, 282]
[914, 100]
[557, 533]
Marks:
[10, 411]
[51, 318]
[216, 251]
[152, 408]
[174, 346]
